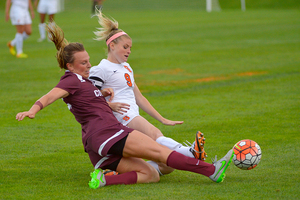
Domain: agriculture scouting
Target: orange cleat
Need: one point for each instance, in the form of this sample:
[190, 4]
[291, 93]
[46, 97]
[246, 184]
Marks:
[109, 172]
[198, 150]
[12, 50]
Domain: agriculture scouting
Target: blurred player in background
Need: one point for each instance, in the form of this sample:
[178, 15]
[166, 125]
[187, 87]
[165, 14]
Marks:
[17, 11]
[45, 7]
[114, 72]
[97, 5]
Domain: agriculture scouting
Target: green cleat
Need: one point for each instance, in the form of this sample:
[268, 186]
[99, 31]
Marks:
[221, 166]
[98, 179]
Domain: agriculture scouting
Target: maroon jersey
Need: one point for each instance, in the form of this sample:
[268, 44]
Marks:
[88, 105]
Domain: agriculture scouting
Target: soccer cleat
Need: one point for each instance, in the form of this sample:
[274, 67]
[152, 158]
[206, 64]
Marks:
[198, 150]
[12, 50]
[221, 166]
[109, 172]
[98, 179]
[22, 55]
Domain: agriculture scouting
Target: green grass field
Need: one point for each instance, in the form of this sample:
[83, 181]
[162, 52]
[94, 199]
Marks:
[233, 75]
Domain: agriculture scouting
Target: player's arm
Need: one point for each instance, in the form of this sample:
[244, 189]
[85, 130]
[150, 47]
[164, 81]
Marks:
[145, 105]
[36, 2]
[31, 9]
[7, 6]
[47, 99]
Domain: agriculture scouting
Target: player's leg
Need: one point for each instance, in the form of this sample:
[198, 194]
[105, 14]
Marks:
[141, 124]
[140, 145]
[42, 26]
[161, 168]
[131, 170]
[42, 18]
[24, 30]
[19, 41]
[145, 172]
[18, 18]
[27, 31]
[51, 18]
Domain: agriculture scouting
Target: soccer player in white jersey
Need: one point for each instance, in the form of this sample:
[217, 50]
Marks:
[114, 72]
[45, 7]
[17, 12]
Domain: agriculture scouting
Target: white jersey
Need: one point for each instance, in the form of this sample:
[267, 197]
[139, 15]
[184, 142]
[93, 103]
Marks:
[120, 78]
[21, 3]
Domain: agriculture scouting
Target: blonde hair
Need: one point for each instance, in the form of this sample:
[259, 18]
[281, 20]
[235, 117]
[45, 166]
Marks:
[109, 27]
[65, 50]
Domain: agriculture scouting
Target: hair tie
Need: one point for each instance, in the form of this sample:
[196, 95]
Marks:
[115, 36]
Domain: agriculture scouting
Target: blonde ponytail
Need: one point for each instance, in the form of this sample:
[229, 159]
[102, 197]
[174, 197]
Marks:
[109, 27]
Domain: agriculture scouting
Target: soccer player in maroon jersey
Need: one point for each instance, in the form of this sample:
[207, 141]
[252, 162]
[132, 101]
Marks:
[111, 145]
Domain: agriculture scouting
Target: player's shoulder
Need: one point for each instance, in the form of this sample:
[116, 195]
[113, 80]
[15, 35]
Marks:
[73, 76]
[104, 65]
[67, 75]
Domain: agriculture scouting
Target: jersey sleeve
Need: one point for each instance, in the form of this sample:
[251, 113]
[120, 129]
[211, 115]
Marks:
[97, 76]
[69, 84]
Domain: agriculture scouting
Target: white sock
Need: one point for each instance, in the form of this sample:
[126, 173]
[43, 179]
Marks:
[19, 43]
[13, 42]
[155, 165]
[25, 36]
[185, 151]
[176, 146]
[42, 30]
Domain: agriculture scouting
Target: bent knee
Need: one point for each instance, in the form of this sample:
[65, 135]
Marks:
[154, 176]
[156, 133]
[149, 175]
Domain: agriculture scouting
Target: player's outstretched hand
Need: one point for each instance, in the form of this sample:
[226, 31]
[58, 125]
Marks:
[171, 123]
[20, 116]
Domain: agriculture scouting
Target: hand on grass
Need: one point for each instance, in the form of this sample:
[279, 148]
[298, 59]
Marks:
[20, 116]
[171, 123]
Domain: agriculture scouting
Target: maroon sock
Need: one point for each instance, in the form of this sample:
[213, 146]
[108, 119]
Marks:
[126, 178]
[179, 161]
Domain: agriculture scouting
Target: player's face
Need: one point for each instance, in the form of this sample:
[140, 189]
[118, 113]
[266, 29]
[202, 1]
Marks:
[120, 52]
[81, 64]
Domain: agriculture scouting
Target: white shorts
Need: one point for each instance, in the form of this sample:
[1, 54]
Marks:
[48, 7]
[127, 117]
[19, 15]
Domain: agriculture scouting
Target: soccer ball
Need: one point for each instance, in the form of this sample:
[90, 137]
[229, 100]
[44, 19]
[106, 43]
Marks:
[247, 154]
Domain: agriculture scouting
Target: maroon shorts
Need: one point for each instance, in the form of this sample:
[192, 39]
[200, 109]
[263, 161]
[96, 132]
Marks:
[99, 144]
